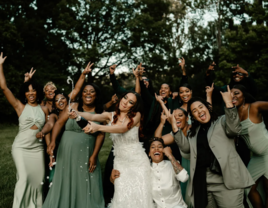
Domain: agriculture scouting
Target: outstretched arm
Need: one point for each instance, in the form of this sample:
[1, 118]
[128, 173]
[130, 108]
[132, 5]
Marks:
[105, 116]
[16, 104]
[92, 127]
[80, 82]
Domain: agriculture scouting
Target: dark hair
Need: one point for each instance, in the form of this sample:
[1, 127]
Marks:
[187, 85]
[184, 111]
[25, 88]
[98, 101]
[248, 97]
[195, 123]
[156, 139]
[138, 107]
[54, 108]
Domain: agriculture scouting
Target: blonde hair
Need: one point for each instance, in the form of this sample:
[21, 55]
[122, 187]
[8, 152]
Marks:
[49, 83]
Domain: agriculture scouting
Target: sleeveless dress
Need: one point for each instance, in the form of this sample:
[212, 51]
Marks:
[256, 138]
[28, 155]
[72, 185]
[133, 187]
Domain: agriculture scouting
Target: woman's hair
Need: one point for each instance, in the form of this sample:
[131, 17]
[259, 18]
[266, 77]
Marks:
[195, 123]
[185, 85]
[49, 83]
[248, 97]
[184, 111]
[138, 107]
[25, 88]
[98, 100]
[156, 139]
[54, 108]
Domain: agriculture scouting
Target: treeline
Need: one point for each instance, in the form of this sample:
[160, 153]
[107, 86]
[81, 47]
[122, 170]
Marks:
[59, 37]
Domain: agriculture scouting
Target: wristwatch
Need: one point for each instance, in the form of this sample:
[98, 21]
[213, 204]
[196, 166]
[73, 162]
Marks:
[78, 118]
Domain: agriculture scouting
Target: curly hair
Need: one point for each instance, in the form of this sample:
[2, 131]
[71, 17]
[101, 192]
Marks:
[25, 88]
[156, 139]
[54, 108]
[98, 101]
[49, 83]
[195, 123]
[138, 107]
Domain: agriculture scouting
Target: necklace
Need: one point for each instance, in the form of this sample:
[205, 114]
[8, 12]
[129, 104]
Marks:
[122, 121]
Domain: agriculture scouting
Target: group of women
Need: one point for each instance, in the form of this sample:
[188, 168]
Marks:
[182, 134]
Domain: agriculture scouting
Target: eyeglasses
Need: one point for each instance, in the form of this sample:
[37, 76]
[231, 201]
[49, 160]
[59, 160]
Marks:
[239, 73]
[146, 80]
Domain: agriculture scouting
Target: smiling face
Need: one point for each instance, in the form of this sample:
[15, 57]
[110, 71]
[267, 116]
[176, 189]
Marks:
[185, 94]
[165, 91]
[156, 152]
[60, 102]
[31, 95]
[180, 117]
[238, 97]
[49, 92]
[89, 95]
[238, 77]
[127, 102]
[200, 112]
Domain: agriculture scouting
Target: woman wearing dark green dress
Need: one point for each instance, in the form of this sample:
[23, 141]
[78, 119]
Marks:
[77, 180]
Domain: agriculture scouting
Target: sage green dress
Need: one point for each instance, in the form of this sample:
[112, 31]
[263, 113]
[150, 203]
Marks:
[28, 155]
[72, 185]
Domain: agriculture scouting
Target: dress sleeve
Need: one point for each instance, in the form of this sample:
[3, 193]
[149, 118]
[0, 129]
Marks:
[117, 88]
[231, 122]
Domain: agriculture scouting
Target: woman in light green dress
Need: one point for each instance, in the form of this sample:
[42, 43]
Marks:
[77, 180]
[255, 135]
[27, 151]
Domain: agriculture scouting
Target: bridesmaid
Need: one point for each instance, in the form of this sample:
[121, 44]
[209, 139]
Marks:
[255, 135]
[77, 180]
[27, 151]
[49, 92]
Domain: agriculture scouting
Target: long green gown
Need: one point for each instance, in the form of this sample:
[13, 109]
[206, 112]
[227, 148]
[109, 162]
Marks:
[73, 186]
[28, 155]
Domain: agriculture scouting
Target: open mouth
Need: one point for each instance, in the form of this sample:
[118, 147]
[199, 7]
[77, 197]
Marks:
[163, 94]
[237, 79]
[178, 123]
[156, 154]
[202, 116]
[31, 97]
[88, 98]
[234, 101]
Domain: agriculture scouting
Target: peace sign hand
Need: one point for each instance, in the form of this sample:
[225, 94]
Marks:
[29, 75]
[87, 69]
[209, 89]
[227, 98]
[2, 60]
[163, 117]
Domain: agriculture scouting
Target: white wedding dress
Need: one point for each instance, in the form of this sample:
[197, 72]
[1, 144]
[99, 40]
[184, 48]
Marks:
[133, 187]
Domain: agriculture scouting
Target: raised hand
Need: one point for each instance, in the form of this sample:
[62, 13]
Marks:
[112, 69]
[29, 75]
[209, 89]
[163, 117]
[227, 98]
[182, 64]
[167, 151]
[88, 69]
[210, 68]
[72, 114]
[158, 98]
[174, 95]
[114, 98]
[2, 59]
[239, 69]
[171, 119]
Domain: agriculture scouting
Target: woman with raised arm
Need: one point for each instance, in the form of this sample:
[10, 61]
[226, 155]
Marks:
[255, 136]
[27, 151]
[133, 188]
[218, 176]
[77, 180]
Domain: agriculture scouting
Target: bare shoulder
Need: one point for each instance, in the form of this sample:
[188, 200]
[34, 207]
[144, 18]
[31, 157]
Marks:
[45, 109]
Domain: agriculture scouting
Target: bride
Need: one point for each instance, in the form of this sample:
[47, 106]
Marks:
[132, 189]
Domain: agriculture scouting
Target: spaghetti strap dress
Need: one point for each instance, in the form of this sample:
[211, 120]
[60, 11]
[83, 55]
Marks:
[256, 138]
[72, 185]
[28, 155]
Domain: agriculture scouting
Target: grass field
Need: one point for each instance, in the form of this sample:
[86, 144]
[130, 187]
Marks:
[7, 167]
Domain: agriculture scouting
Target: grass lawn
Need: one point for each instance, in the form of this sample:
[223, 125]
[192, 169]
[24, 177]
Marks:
[7, 167]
